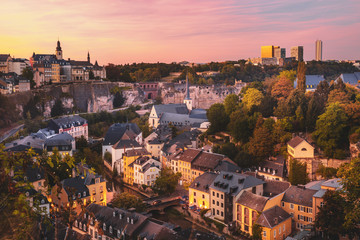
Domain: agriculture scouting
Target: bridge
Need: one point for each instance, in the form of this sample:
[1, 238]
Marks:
[162, 205]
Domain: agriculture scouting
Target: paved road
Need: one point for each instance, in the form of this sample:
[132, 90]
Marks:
[11, 132]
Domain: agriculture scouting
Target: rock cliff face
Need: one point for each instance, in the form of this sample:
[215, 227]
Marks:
[96, 97]
[202, 96]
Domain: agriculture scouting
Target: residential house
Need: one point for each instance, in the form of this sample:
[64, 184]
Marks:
[74, 125]
[17, 65]
[38, 202]
[199, 190]
[154, 147]
[119, 138]
[146, 170]
[4, 62]
[273, 169]
[298, 201]
[80, 190]
[64, 143]
[275, 223]
[128, 158]
[101, 222]
[300, 148]
[226, 190]
[25, 143]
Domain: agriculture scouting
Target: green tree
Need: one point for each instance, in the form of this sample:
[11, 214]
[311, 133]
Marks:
[257, 231]
[119, 100]
[297, 173]
[261, 144]
[326, 172]
[239, 126]
[252, 98]
[289, 74]
[127, 200]
[228, 149]
[81, 143]
[231, 103]
[349, 173]
[28, 74]
[331, 130]
[167, 181]
[58, 109]
[331, 216]
[217, 117]
[301, 78]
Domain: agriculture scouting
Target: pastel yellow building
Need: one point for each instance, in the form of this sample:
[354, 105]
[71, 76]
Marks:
[199, 193]
[300, 148]
[298, 201]
[154, 147]
[276, 224]
[128, 158]
[55, 72]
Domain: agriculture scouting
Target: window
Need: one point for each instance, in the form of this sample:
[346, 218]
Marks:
[84, 194]
[217, 212]
[222, 213]
[214, 194]
[213, 211]
[282, 204]
[217, 194]
[194, 194]
[222, 196]
[291, 206]
[194, 199]
[264, 233]
[213, 201]
[79, 195]
[222, 205]
[104, 227]
[310, 210]
[303, 149]
[110, 229]
[279, 230]
[274, 232]
[284, 228]
[217, 203]
[321, 204]
[203, 196]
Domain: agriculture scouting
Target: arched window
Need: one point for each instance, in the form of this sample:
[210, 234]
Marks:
[303, 149]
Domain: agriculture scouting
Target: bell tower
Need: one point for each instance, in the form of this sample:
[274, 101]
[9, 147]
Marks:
[187, 99]
[58, 51]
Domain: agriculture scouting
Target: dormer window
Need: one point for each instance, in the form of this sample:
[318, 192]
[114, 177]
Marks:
[38, 176]
[74, 197]
[84, 215]
[84, 194]
[118, 233]
[110, 229]
[42, 201]
[27, 194]
[84, 228]
[79, 195]
[25, 178]
[104, 227]
[80, 226]
[76, 223]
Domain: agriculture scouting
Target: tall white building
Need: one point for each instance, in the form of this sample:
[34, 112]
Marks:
[318, 50]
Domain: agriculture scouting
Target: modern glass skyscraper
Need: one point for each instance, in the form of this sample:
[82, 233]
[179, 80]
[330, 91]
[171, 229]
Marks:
[298, 53]
[318, 50]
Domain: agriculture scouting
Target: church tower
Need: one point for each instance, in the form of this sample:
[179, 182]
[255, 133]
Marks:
[58, 51]
[188, 100]
[88, 58]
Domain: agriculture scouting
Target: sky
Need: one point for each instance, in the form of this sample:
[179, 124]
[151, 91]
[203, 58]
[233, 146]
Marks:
[200, 31]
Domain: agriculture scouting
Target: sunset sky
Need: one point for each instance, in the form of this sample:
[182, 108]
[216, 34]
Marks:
[127, 31]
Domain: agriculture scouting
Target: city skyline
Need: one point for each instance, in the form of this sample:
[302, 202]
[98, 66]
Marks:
[150, 31]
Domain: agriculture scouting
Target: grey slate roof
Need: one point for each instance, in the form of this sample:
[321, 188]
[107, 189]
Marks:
[272, 217]
[311, 81]
[203, 182]
[62, 139]
[350, 78]
[171, 108]
[333, 183]
[117, 130]
[234, 182]
[74, 186]
[26, 143]
[295, 141]
[67, 122]
[320, 193]
[126, 144]
[4, 57]
[227, 166]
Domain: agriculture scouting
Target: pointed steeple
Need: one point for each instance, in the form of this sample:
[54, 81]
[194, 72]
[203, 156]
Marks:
[187, 97]
[88, 57]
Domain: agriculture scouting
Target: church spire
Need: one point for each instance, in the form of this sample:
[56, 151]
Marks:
[187, 88]
[88, 58]
[58, 51]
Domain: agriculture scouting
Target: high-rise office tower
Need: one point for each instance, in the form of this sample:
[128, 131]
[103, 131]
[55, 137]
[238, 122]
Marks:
[267, 51]
[298, 53]
[279, 52]
[318, 50]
